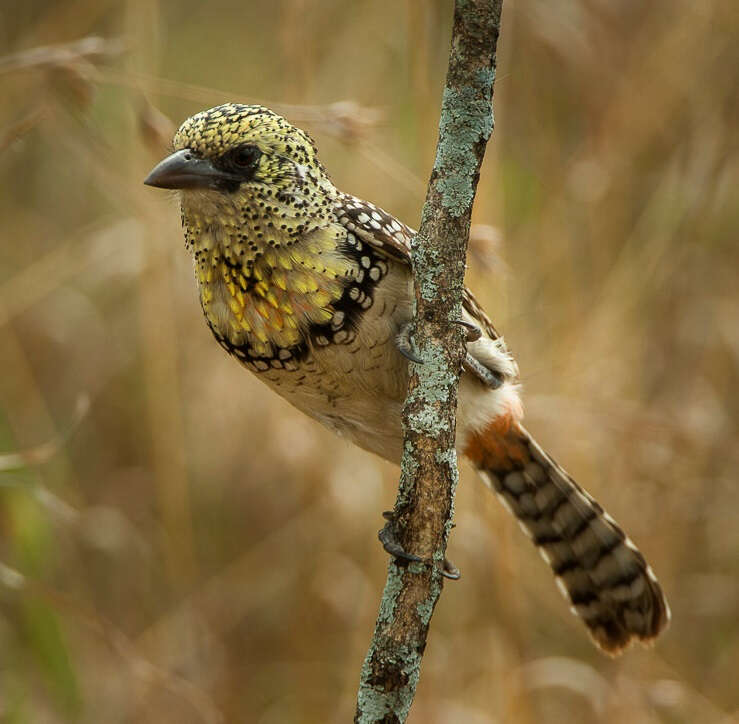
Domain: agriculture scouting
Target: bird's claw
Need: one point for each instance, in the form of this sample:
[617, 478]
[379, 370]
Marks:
[389, 539]
[405, 345]
[450, 571]
[406, 348]
[473, 331]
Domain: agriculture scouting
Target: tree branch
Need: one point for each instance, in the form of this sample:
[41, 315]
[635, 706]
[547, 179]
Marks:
[425, 504]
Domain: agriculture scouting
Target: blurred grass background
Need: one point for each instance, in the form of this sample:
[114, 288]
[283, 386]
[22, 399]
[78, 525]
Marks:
[179, 545]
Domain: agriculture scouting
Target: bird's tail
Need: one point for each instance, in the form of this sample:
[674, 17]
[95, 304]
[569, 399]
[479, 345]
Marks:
[602, 573]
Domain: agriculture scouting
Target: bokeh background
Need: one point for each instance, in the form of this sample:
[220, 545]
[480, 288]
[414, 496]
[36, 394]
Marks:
[178, 545]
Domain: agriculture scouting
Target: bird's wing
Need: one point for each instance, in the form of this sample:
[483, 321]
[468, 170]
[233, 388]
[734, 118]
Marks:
[376, 227]
[382, 231]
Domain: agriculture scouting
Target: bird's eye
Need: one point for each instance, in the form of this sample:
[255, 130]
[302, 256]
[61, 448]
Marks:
[244, 156]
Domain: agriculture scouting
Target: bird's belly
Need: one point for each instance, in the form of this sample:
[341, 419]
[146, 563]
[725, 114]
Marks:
[338, 388]
[357, 389]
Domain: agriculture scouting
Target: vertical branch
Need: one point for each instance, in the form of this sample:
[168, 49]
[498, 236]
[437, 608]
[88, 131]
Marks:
[425, 503]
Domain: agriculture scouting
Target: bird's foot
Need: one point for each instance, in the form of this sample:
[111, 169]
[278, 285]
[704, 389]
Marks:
[389, 538]
[408, 350]
[488, 377]
[450, 571]
[473, 331]
[405, 345]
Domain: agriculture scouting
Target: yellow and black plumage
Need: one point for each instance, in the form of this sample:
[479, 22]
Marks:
[311, 289]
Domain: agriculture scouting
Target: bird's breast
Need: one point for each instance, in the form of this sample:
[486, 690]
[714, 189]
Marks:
[271, 306]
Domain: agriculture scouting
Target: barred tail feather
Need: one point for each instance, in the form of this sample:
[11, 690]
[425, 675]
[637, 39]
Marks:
[597, 567]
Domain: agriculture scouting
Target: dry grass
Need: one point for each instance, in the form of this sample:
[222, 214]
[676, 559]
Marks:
[186, 547]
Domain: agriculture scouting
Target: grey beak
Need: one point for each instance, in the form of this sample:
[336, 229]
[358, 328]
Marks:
[184, 170]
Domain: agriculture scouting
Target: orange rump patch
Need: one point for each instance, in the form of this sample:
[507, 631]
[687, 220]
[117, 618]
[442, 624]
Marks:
[498, 447]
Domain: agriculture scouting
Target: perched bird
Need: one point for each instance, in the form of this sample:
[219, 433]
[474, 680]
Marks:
[310, 288]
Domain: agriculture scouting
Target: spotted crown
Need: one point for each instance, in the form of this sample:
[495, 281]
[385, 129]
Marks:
[212, 132]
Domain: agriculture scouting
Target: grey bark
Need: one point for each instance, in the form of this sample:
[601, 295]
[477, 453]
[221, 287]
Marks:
[425, 504]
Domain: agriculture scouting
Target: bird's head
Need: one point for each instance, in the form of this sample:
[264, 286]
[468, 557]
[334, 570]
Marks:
[234, 158]
[259, 217]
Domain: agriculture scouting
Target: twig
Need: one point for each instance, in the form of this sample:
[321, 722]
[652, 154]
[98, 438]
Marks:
[45, 451]
[91, 50]
[424, 508]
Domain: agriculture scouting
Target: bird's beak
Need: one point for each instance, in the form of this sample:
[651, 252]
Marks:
[184, 170]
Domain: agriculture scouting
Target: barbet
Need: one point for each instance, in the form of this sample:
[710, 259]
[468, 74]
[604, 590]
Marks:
[311, 289]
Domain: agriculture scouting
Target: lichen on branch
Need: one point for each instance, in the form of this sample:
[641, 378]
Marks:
[425, 504]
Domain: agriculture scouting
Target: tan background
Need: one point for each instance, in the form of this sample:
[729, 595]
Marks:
[184, 547]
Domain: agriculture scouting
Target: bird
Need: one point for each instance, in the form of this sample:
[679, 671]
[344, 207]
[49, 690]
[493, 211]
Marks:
[311, 289]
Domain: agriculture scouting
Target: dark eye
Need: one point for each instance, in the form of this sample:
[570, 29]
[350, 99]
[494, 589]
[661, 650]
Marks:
[244, 156]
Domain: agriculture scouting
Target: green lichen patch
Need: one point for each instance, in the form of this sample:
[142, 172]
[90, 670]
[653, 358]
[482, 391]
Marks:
[466, 120]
